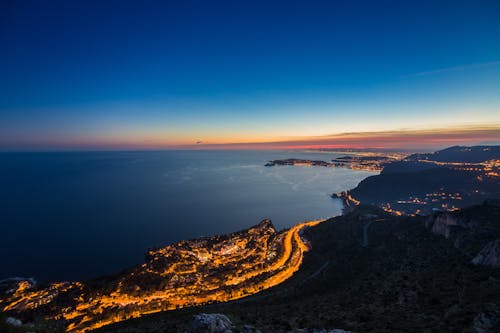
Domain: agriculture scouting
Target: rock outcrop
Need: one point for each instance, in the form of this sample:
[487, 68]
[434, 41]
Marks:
[444, 224]
[489, 255]
[217, 323]
[211, 323]
[13, 321]
[487, 322]
[475, 233]
[220, 323]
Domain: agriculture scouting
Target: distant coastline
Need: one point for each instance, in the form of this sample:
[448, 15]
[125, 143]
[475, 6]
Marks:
[170, 277]
[420, 183]
[151, 193]
[366, 161]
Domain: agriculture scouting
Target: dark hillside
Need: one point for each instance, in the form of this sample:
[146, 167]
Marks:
[449, 179]
[406, 279]
[407, 166]
[388, 187]
[475, 154]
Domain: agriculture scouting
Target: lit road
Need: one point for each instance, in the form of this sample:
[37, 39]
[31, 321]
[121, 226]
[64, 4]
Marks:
[240, 265]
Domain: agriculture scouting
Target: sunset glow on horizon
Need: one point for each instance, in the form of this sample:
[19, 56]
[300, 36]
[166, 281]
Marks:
[272, 160]
[429, 139]
[259, 75]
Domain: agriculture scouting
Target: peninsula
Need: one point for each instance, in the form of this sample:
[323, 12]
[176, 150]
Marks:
[366, 161]
[212, 270]
[194, 272]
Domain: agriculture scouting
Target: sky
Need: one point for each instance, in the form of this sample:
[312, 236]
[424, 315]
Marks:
[248, 74]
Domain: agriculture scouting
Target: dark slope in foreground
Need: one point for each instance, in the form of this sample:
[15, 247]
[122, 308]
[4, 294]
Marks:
[409, 278]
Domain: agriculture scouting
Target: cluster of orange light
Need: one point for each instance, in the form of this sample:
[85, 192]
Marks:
[490, 168]
[349, 199]
[388, 209]
[194, 273]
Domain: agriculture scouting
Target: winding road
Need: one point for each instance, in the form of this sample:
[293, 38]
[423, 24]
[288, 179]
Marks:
[104, 308]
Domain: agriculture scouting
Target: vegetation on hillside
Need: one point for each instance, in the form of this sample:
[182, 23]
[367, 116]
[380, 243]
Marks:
[405, 280]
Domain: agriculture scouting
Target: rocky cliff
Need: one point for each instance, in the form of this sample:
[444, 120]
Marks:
[489, 255]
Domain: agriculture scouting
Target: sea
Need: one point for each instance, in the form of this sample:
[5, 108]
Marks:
[80, 215]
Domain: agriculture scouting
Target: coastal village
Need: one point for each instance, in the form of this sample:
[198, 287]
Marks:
[195, 272]
[228, 267]
[478, 179]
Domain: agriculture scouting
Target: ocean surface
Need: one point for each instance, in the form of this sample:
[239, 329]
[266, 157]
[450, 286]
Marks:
[78, 215]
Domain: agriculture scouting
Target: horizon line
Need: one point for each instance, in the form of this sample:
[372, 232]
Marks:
[398, 139]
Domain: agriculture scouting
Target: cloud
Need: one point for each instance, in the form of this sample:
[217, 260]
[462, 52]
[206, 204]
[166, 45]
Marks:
[455, 69]
[402, 139]
[397, 139]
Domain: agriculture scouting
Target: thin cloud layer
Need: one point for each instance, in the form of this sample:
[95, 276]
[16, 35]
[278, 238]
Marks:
[402, 139]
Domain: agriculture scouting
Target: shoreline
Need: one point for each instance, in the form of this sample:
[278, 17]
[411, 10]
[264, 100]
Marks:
[93, 311]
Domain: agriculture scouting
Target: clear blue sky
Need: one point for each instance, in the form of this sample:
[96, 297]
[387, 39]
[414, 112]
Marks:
[167, 73]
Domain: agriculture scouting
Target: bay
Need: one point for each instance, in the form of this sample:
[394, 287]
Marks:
[78, 215]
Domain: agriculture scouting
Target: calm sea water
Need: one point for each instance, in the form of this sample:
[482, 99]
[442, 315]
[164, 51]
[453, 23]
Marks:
[67, 216]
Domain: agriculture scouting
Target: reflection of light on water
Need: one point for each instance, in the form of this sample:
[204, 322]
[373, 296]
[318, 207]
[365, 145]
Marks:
[154, 195]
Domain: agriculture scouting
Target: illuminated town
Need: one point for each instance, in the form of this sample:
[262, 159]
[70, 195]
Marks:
[189, 273]
[366, 161]
[467, 181]
[145, 147]
[483, 178]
